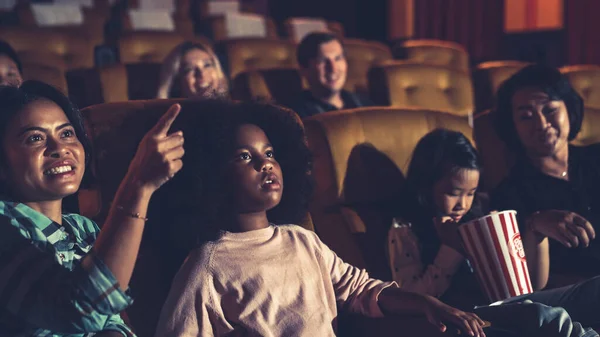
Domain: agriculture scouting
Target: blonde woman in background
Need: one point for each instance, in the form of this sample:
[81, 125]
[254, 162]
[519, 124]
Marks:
[192, 70]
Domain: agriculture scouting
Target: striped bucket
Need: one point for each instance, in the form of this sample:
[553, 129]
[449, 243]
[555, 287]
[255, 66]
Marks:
[494, 247]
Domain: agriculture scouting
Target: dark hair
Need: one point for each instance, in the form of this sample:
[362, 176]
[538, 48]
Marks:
[7, 50]
[309, 46]
[550, 81]
[200, 194]
[438, 153]
[13, 100]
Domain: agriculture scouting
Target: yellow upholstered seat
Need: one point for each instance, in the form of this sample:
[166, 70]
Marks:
[47, 74]
[114, 83]
[585, 78]
[257, 54]
[360, 156]
[435, 52]
[40, 46]
[406, 84]
[361, 56]
[487, 78]
[150, 46]
[281, 85]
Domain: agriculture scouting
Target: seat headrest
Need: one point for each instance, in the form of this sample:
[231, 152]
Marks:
[585, 79]
[436, 52]
[361, 155]
[407, 84]
[256, 54]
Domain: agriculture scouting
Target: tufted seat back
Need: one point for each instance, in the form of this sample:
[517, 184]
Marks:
[406, 84]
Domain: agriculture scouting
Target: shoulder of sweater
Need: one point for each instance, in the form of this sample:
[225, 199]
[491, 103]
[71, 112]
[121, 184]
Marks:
[199, 260]
[296, 229]
[301, 233]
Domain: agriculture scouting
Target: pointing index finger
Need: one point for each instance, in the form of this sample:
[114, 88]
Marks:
[164, 123]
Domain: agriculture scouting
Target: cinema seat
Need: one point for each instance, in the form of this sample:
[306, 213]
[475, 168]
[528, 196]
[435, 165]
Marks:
[256, 54]
[361, 56]
[410, 85]
[487, 78]
[281, 85]
[61, 50]
[360, 156]
[434, 52]
[47, 74]
[360, 159]
[114, 83]
[585, 78]
[150, 46]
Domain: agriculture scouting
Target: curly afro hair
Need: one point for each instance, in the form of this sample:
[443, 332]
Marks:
[195, 203]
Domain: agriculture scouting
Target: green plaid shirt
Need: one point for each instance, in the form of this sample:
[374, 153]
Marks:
[44, 289]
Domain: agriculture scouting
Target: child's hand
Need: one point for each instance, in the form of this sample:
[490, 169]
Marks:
[447, 231]
[568, 228]
[437, 313]
[158, 157]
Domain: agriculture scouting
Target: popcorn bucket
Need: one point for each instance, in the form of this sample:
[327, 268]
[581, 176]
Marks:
[494, 247]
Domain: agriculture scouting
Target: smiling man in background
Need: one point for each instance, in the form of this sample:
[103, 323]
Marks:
[323, 63]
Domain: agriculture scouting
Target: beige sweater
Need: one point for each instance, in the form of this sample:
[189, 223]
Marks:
[277, 281]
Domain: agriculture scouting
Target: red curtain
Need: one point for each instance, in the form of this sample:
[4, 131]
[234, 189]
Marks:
[583, 25]
[478, 25]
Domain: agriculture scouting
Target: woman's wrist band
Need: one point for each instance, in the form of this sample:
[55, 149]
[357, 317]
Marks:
[132, 215]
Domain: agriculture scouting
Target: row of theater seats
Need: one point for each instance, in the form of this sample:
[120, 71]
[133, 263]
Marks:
[434, 74]
[259, 63]
[371, 71]
[216, 25]
[101, 25]
[255, 73]
[48, 51]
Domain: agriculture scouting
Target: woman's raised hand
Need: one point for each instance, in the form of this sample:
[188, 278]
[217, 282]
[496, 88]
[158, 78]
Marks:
[158, 157]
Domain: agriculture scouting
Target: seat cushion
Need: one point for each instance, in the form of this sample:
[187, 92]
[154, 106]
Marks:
[409, 85]
[47, 74]
[114, 83]
[148, 46]
[267, 85]
[256, 54]
[585, 79]
[361, 56]
[435, 52]
[48, 47]
[487, 78]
